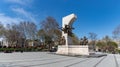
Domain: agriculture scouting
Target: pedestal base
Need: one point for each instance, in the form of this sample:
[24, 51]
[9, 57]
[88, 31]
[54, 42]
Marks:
[73, 50]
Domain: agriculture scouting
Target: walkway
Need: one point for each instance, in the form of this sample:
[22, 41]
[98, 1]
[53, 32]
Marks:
[44, 59]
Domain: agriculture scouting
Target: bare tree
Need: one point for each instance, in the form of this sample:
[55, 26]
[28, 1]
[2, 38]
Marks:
[12, 35]
[109, 44]
[28, 30]
[107, 39]
[116, 34]
[2, 29]
[49, 25]
[51, 29]
[93, 38]
[74, 39]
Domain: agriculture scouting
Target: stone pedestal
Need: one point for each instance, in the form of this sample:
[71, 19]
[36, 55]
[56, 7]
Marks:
[73, 50]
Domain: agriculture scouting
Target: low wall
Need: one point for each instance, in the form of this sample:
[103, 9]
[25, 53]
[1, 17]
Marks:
[73, 50]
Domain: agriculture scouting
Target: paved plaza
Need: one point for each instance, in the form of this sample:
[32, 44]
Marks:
[46, 59]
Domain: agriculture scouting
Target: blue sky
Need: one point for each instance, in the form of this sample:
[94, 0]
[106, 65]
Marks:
[98, 16]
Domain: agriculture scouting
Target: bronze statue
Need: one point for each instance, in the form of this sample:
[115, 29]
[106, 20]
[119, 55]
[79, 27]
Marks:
[68, 30]
[62, 41]
[83, 41]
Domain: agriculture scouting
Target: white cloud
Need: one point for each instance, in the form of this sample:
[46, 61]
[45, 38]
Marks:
[1, 14]
[21, 2]
[8, 20]
[25, 13]
[20, 12]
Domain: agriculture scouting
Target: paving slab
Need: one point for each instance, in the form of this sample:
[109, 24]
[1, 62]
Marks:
[46, 59]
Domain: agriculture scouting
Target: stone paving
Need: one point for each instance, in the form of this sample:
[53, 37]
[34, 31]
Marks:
[46, 59]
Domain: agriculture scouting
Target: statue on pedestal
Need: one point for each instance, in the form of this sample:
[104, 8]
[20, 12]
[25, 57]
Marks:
[67, 46]
[83, 41]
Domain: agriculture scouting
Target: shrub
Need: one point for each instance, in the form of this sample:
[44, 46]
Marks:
[29, 49]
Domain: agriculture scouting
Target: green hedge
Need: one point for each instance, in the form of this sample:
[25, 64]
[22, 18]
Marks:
[7, 49]
[20, 49]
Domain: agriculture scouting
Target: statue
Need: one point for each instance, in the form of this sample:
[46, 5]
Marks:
[67, 46]
[67, 22]
[83, 41]
[62, 41]
[68, 30]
